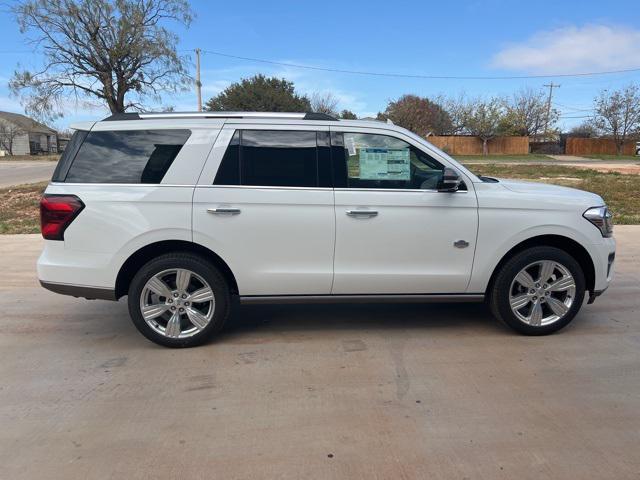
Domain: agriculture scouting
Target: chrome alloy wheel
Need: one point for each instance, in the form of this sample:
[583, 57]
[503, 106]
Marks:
[542, 293]
[177, 303]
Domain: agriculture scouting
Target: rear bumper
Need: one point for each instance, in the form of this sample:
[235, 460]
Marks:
[90, 293]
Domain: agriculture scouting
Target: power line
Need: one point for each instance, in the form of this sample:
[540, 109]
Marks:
[432, 77]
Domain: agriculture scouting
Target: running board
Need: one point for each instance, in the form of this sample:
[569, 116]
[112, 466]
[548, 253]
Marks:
[400, 298]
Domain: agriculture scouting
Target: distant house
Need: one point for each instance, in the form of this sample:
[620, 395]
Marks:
[21, 135]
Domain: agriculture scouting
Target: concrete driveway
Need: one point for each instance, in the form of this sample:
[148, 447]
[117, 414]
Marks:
[357, 392]
[30, 171]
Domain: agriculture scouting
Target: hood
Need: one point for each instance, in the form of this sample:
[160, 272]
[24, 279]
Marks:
[568, 194]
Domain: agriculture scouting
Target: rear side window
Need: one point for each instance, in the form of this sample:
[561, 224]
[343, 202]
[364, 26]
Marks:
[68, 155]
[126, 156]
[280, 158]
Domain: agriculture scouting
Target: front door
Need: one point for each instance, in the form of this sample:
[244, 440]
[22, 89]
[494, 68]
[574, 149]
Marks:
[395, 233]
[268, 211]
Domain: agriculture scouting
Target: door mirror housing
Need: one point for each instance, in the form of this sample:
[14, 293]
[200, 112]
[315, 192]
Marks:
[450, 181]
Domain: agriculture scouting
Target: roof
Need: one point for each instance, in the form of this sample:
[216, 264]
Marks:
[25, 123]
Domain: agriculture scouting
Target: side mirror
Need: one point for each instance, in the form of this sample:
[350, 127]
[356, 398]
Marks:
[450, 181]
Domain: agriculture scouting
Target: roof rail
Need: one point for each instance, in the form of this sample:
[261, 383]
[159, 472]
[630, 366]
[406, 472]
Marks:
[283, 115]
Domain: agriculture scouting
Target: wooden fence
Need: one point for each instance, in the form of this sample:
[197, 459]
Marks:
[597, 146]
[467, 145]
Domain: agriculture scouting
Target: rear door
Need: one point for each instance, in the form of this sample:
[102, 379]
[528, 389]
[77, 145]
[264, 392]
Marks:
[264, 204]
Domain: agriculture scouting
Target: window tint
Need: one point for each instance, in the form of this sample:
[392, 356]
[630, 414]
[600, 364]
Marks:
[381, 161]
[68, 155]
[229, 170]
[281, 158]
[126, 156]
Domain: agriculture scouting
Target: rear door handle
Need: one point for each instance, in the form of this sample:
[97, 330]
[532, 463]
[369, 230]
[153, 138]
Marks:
[362, 213]
[224, 211]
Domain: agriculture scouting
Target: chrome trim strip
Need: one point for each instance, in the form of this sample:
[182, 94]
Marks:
[265, 187]
[62, 184]
[389, 298]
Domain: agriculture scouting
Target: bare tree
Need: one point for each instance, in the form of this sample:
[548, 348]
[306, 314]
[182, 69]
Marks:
[457, 108]
[115, 51]
[617, 113]
[526, 113]
[483, 118]
[8, 134]
[325, 103]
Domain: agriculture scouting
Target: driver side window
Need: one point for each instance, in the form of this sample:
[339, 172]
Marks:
[381, 161]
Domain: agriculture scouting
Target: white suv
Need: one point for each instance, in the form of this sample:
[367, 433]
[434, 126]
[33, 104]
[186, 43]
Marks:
[183, 212]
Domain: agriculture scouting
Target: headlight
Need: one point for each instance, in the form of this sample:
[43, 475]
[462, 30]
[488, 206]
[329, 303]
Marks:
[601, 218]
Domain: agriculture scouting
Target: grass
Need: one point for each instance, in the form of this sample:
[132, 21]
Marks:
[635, 158]
[19, 211]
[40, 158]
[531, 157]
[621, 192]
[19, 208]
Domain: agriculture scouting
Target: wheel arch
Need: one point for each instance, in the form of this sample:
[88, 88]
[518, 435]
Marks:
[141, 256]
[570, 246]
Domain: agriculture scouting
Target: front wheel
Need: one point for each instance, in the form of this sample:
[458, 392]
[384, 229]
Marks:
[538, 291]
[178, 300]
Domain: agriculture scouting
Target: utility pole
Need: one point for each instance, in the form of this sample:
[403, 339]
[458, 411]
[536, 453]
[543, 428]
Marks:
[198, 83]
[551, 87]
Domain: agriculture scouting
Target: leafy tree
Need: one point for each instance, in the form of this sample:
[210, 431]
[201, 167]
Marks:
[483, 118]
[418, 114]
[115, 51]
[260, 94]
[617, 113]
[526, 113]
[584, 130]
[325, 103]
[348, 115]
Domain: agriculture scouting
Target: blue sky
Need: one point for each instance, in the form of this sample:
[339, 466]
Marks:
[458, 38]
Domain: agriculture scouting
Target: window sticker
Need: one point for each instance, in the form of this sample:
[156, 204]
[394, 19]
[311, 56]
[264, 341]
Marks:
[385, 164]
[351, 146]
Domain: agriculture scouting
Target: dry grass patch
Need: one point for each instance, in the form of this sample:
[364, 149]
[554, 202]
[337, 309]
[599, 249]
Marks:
[40, 158]
[19, 208]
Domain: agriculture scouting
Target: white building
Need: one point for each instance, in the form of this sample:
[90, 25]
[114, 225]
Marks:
[21, 135]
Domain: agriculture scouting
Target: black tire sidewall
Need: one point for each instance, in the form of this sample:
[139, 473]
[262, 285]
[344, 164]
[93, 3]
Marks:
[501, 288]
[196, 264]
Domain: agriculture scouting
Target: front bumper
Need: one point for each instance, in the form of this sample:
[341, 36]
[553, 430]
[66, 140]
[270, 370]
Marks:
[603, 257]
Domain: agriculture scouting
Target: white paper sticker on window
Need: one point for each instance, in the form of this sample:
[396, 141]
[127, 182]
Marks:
[385, 164]
[351, 146]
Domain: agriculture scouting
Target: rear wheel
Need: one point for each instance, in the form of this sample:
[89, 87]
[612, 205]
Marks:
[538, 291]
[178, 300]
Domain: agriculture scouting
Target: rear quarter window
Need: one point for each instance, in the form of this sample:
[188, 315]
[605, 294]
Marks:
[126, 156]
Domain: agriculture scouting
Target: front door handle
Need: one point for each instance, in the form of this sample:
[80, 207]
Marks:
[362, 213]
[224, 211]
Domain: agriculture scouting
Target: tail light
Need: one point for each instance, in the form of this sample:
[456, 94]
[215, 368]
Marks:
[56, 214]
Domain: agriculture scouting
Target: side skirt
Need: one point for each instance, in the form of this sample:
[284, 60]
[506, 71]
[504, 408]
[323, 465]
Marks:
[400, 298]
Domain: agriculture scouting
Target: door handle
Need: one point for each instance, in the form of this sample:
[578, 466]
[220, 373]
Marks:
[362, 213]
[224, 211]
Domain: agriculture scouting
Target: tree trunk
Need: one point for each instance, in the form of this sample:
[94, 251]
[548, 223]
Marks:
[619, 145]
[485, 146]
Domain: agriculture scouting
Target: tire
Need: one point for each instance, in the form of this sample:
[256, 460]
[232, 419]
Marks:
[163, 289]
[535, 309]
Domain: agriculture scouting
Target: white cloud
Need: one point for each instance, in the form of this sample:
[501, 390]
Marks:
[573, 49]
